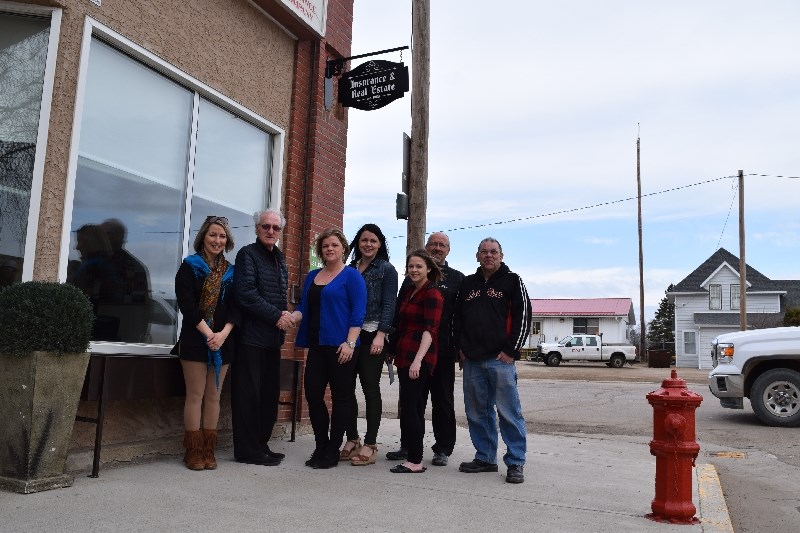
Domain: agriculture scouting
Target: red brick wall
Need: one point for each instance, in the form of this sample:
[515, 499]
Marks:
[314, 195]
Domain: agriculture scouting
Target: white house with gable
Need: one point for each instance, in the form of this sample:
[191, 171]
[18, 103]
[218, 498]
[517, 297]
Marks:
[707, 305]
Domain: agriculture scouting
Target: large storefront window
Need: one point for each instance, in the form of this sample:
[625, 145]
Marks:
[23, 55]
[231, 170]
[134, 188]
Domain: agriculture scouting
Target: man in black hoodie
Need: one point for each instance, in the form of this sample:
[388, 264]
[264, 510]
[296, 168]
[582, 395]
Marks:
[493, 320]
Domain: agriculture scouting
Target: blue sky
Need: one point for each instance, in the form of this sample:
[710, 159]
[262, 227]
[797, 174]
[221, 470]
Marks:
[535, 108]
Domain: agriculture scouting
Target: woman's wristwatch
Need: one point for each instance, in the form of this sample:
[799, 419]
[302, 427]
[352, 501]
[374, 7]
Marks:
[351, 344]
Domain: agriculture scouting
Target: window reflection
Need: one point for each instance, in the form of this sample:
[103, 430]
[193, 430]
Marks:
[127, 218]
[131, 187]
[124, 253]
[23, 54]
[231, 169]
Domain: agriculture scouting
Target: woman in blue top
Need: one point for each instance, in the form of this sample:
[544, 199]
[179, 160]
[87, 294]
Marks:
[371, 258]
[331, 313]
[203, 289]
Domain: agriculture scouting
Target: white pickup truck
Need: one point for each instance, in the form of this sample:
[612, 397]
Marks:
[762, 365]
[583, 348]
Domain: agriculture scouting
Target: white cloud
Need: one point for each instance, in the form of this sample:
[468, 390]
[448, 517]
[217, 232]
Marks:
[534, 111]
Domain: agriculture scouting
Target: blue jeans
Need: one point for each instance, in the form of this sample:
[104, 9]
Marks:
[490, 384]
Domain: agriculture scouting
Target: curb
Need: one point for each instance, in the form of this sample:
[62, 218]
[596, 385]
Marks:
[713, 510]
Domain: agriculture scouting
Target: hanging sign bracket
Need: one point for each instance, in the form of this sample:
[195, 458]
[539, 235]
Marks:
[333, 67]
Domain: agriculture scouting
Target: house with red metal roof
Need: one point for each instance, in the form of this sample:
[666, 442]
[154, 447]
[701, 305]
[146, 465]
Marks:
[554, 319]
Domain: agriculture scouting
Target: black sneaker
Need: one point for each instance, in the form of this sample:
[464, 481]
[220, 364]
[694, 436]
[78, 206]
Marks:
[398, 455]
[439, 459]
[274, 455]
[476, 465]
[515, 475]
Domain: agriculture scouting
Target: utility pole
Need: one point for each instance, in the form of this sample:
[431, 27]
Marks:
[420, 89]
[643, 324]
[742, 262]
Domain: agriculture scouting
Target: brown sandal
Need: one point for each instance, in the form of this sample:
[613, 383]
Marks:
[345, 454]
[363, 460]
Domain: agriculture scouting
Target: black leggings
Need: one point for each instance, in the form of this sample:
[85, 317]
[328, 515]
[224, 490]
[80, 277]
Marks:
[412, 414]
[369, 369]
[323, 369]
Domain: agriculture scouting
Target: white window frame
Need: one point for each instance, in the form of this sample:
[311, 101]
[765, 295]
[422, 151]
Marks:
[683, 342]
[32, 230]
[711, 288]
[735, 297]
[94, 29]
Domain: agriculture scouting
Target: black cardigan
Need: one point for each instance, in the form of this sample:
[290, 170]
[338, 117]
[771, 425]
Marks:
[188, 285]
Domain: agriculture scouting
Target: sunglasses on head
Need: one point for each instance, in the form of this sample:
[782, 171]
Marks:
[211, 219]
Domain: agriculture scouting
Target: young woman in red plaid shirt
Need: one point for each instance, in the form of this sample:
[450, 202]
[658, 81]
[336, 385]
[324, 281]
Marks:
[419, 311]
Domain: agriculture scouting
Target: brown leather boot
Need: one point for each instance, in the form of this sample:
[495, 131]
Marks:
[193, 442]
[209, 445]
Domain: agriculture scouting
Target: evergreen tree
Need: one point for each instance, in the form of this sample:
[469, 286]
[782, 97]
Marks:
[792, 317]
[662, 327]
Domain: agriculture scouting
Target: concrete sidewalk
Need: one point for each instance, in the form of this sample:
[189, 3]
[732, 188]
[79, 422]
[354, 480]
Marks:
[572, 484]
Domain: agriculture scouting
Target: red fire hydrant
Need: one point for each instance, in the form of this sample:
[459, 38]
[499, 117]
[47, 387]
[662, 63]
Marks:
[675, 449]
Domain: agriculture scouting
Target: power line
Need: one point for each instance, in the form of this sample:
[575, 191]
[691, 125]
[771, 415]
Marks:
[735, 191]
[774, 176]
[575, 209]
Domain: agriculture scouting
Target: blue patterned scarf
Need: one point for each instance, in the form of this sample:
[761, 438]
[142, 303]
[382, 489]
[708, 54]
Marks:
[211, 293]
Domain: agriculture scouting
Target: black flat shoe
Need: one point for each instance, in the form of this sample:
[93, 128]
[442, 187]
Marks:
[316, 455]
[402, 469]
[264, 460]
[324, 464]
[274, 455]
[326, 460]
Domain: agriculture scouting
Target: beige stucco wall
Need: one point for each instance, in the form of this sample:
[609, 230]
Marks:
[226, 44]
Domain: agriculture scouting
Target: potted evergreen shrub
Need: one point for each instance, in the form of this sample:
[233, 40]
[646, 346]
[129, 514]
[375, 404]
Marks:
[45, 329]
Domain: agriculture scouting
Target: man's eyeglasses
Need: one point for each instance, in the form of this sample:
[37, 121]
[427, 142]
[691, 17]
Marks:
[214, 218]
[490, 252]
[273, 227]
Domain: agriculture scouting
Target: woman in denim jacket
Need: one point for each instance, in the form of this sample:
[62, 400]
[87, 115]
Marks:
[371, 258]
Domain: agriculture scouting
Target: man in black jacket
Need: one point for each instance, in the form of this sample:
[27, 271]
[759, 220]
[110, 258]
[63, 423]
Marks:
[260, 287]
[493, 319]
[442, 382]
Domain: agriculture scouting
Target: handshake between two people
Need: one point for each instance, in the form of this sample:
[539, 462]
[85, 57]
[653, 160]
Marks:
[289, 319]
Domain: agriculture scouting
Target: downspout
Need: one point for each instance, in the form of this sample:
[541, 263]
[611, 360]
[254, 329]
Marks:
[315, 44]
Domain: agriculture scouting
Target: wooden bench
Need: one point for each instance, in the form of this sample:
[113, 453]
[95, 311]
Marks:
[136, 377]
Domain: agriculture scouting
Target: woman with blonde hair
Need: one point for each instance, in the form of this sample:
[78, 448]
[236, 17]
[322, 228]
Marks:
[332, 311]
[203, 286]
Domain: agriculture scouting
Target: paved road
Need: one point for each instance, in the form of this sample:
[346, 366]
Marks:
[759, 466]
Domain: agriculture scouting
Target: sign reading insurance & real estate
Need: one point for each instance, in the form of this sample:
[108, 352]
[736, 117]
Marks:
[373, 85]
